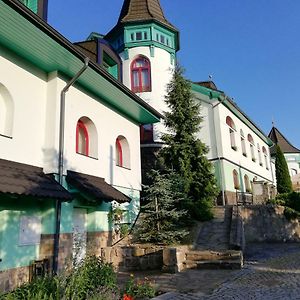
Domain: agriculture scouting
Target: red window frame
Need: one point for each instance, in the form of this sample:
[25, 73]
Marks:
[119, 153]
[80, 125]
[140, 87]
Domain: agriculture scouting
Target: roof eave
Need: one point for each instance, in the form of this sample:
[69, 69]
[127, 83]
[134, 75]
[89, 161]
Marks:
[57, 37]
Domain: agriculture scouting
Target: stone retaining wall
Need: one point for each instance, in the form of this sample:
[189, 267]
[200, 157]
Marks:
[13, 278]
[134, 258]
[267, 223]
[145, 257]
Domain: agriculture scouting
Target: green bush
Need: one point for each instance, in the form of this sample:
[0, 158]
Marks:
[200, 210]
[88, 276]
[91, 278]
[139, 289]
[42, 288]
[293, 201]
[291, 214]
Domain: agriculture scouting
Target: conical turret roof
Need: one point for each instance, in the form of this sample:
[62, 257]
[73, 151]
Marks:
[142, 11]
[277, 137]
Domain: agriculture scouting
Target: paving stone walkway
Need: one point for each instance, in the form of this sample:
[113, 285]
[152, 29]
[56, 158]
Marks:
[271, 272]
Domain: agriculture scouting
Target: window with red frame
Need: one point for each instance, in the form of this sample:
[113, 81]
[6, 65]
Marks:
[140, 75]
[119, 153]
[82, 139]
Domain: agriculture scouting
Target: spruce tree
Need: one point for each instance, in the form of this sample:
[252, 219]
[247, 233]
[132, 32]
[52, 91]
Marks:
[184, 152]
[284, 183]
[162, 217]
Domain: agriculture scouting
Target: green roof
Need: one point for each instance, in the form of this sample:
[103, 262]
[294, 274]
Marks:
[22, 32]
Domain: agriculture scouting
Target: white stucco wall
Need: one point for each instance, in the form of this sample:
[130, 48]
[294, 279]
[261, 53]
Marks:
[28, 93]
[237, 156]
[161, 75]
[293, 162]
[35, 131]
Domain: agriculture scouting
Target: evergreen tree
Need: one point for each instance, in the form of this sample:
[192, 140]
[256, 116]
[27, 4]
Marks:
[284, 183]
[161, 220]
[184, 152]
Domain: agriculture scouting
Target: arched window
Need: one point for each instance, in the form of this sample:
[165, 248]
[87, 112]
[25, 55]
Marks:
[243, 143]
[259, 155]
[247, 184]
[251, 141]
[82, 139]
[6, 112]
[122, 152]
[264, 150]
[236, 182]
[141, 75]
[293, 172]
[232, 130]
[86, 138]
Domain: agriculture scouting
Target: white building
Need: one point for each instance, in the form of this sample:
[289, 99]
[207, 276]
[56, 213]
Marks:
[238, 149]
[66, 117]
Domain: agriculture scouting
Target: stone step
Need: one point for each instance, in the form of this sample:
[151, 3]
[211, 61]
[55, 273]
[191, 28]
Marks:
[219, 213]
[213, 264]
[213, 255]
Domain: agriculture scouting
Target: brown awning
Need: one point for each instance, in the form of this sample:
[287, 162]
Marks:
[95, 187]
[21, 179]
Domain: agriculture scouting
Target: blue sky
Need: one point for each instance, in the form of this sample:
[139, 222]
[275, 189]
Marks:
[250, 47]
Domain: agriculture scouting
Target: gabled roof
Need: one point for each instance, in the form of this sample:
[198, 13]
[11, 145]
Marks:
[95, 187]
[26, 180]
[278, 138]
[143, 10]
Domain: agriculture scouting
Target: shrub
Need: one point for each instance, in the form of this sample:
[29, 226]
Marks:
[141, 289]
[42, 288]
[91, 279]
[88, 276]
[291, 214]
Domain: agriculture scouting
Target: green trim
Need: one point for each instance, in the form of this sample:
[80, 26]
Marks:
[213, 95]
[206, 91]
[35, 41]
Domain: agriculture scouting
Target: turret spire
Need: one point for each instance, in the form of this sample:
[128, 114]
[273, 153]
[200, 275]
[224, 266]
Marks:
[143, 10]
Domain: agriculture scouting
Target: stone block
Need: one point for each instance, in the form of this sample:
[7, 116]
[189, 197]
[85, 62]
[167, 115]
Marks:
[137, 251]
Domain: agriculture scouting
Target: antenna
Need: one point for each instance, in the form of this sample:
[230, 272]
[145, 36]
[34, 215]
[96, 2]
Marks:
[273, 122]
[210, 77]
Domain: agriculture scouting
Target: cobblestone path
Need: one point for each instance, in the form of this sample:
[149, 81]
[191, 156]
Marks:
[271, 272]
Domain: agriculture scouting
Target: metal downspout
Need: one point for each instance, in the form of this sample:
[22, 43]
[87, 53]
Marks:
[61, 160]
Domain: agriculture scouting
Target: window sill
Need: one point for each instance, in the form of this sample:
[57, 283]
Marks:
[244, 154]
[253, 159]
[95, 158]
[261, 164]
[5, 136]
[126, 168]
[234, 148]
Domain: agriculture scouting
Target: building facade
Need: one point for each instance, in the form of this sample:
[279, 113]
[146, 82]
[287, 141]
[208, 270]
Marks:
[238, 149]
[69, 147]
[291, 154]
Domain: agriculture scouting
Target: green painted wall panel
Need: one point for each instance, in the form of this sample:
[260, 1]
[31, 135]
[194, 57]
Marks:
[14, 255]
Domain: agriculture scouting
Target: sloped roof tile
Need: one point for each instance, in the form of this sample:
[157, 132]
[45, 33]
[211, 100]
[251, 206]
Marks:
[95, 187]
[278, 138]
[21, 179]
